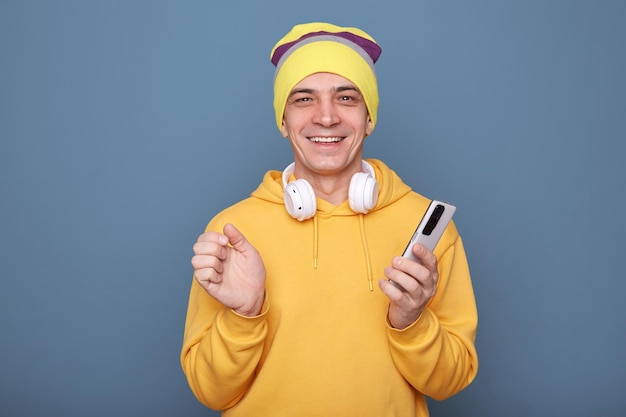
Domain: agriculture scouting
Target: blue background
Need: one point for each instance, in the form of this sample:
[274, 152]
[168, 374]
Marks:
[126, 125]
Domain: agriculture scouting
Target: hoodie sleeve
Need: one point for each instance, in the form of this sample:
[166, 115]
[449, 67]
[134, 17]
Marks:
[221, 349]
[436, 354]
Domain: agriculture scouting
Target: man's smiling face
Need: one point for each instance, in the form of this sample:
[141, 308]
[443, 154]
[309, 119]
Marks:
[326, 121]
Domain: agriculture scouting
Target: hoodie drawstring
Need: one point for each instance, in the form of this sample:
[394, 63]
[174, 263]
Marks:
[368, 261]
[315, 241]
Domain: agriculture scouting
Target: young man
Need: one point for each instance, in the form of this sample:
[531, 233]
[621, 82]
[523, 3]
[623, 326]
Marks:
[284, 316]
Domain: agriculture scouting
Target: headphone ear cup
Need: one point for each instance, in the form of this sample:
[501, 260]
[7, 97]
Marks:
[300, 200]
[363, 192]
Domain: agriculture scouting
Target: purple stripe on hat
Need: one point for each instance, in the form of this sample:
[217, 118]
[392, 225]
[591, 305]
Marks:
[320, 38]
[372, 49]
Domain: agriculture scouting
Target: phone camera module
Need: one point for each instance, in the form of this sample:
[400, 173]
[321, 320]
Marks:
[434, 220]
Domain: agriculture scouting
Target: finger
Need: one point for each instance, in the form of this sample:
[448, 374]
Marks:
[412, 276]
[415, 270]
[426, 257]
[423, 272]
[236, 238]
[401, 279]
[205, 261]
[213, 237]
[392, 289]
[209, 248]
[207, 276]
[429, 272]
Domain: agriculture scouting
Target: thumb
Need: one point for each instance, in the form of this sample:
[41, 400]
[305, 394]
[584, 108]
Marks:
[236, 239]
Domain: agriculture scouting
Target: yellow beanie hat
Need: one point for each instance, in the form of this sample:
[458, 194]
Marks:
[322, 47]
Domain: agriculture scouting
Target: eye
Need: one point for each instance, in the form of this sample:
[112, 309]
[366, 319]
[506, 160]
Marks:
[300, 99]
[350, 99]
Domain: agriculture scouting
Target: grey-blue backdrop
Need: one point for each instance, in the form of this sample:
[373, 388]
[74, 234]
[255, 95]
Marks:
[126, 125]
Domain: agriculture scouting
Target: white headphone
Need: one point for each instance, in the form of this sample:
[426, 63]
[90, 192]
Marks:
[300, 198]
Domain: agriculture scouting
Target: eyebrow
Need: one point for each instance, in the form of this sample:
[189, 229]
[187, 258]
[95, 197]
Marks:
[301, 90]
[339, 89]
[347, 88]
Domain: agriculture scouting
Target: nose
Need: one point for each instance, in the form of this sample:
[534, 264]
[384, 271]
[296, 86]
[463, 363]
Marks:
[326, 114]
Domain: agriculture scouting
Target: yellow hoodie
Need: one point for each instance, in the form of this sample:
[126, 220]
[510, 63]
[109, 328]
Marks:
[322, 345]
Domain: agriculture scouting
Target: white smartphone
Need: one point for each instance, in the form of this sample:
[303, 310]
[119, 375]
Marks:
[431, 227]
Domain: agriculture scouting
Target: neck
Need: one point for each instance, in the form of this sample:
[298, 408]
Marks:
[333, 190]
[331, 187]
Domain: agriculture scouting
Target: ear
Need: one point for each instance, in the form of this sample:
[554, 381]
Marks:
[368, 128]
[283, 130]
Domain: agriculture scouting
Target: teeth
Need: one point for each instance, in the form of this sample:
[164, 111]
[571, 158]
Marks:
[325, 139]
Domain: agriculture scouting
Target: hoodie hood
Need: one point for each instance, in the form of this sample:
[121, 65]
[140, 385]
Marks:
[390, 189]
